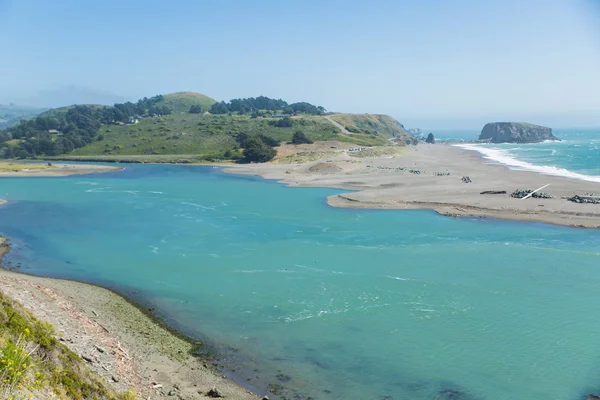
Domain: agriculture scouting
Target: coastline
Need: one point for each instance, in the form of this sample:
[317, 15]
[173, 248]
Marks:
[118, 340]
[430, 177]
[51, 170]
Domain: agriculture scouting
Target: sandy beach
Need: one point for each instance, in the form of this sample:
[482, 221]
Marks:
[20, 170]
[430, 177]
[118, 341]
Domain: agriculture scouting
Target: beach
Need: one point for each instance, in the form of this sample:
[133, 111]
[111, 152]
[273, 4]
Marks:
[430, 176]
[50, 169]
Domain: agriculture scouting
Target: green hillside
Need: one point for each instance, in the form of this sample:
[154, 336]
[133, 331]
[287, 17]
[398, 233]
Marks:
[182, 101]
[168, 128]
[63, 110]
[374, 124]
[208, 136]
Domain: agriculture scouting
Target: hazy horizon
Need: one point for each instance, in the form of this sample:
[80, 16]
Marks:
[428, 64]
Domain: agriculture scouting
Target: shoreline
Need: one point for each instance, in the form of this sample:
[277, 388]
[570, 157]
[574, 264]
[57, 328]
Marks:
[369, 177]
[8, 170]
[139, 350]
[430, 177]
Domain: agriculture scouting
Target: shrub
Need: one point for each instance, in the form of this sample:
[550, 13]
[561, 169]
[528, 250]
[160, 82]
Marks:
[269, 140]
[285, 122]
[258, 151]
[300, 138]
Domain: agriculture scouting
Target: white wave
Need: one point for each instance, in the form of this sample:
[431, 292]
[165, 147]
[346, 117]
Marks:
[197, 205]
[248, 271]
[396, 278]
[503, 157]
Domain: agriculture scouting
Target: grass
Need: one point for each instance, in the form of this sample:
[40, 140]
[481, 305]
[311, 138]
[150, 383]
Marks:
[199, 137]
[371, 124]
[6, 167]
[379, 151]
[33, 362]
[182, 101]
[205, 136]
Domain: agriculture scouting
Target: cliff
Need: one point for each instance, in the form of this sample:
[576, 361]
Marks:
[515, 132]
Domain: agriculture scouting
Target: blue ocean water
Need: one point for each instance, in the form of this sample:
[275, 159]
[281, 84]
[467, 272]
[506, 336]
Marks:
[576, 155]
[351, 304]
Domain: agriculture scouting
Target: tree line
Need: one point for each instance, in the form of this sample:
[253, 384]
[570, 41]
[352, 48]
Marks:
[61, 132]
[257, 106]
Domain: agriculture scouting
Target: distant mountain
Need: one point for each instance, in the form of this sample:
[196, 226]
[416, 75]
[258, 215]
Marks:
[11, 114]
[58, 97]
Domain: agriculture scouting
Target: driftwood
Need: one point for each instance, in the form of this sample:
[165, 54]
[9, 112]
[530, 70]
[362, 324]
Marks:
[493, 192]
[587, 198]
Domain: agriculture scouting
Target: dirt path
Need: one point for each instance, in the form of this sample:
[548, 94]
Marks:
[337, 125]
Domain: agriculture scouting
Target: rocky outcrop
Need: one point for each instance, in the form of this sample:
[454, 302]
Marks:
[515, 132]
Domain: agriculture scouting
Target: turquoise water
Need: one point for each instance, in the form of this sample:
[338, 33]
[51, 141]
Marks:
[351, 304]
[577, 155]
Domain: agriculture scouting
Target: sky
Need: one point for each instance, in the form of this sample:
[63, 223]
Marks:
[428, 63]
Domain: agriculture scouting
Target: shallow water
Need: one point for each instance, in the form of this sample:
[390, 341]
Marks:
[349, 303]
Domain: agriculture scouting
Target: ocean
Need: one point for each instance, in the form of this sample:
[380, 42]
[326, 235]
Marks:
[330, 303]
[576, 155]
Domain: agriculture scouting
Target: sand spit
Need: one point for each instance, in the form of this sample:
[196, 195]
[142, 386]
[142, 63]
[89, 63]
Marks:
[50, 169]
[439, 177]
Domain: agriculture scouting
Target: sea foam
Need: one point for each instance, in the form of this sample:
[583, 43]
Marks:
[504, 157]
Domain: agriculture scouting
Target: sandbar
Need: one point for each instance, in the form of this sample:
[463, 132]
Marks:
[430, 176]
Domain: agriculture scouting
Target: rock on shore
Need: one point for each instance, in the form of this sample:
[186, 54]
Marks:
[515, 132]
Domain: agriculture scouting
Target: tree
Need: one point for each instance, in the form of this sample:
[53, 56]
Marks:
[300, 138]
[258, 151]
[195, 109]
[219, 108]
[430, 139]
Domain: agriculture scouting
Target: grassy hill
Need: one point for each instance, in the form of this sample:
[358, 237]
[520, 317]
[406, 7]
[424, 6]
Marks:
[182, 101]
[207, 137]
[374, 124]
[161, 128]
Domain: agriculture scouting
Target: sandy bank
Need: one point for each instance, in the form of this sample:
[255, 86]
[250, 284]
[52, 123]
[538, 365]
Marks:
[126, 348]
[19, 170]
[430, 177]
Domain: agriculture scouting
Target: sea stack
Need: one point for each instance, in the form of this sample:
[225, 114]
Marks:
[515, 132]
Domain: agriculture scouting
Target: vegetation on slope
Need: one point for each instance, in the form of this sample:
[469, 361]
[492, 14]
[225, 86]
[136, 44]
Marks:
[205, 135]
[264, 106]
[179, 125]
[182, 101]
[372, 124]
[34, 363]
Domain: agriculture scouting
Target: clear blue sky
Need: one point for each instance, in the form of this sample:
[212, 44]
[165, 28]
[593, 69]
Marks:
[424, 62]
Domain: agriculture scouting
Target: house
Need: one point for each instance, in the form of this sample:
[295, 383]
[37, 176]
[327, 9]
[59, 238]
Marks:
[53, 131]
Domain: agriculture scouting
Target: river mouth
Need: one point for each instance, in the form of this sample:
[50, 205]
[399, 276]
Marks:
[329, 303]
